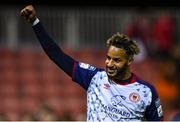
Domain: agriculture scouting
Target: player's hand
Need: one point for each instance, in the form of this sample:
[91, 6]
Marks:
[29, 13]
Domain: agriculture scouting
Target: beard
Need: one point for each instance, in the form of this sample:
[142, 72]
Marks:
[117, 72]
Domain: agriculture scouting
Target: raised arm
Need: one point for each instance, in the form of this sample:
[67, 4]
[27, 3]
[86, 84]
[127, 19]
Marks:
[65, 62]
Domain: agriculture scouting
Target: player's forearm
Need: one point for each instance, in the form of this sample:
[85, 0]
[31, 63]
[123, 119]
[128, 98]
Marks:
[64, 61]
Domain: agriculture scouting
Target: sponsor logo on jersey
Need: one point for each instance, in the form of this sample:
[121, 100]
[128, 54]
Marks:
[159, 107]
[159, 110]
[114, 113]
[134, 97]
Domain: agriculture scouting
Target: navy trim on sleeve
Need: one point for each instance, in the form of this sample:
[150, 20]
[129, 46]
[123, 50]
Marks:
[53, 51]
[154, 110]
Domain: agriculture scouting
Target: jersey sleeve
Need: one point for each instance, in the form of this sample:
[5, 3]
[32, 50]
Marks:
[53, 51]
[80, 72]
[83, 73]
[154, 111]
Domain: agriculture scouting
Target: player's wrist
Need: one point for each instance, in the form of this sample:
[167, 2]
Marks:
[36, 21]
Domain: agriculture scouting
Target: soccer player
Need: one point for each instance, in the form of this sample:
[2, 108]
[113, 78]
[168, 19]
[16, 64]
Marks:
[113, 94]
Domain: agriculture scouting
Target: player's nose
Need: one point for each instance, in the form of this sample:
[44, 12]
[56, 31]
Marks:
[110, 63]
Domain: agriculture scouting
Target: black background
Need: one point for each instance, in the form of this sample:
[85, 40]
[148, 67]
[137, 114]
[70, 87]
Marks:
[81, 3]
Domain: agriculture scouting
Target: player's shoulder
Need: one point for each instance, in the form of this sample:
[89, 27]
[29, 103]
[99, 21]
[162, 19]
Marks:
[146, 84]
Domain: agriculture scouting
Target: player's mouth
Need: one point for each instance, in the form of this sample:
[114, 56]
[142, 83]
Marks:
[110, 71]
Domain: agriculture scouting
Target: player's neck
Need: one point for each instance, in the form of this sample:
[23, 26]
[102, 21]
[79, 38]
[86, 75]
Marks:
[125, 80]
[124, 75]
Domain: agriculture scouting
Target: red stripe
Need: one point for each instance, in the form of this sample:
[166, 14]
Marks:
[74, 66]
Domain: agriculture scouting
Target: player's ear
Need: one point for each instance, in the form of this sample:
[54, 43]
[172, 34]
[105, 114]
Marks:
[130, 60]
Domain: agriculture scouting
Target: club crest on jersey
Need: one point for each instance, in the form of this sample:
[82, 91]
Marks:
[134, 97]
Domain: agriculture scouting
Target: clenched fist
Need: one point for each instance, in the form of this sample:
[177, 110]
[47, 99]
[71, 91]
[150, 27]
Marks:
[29, 13]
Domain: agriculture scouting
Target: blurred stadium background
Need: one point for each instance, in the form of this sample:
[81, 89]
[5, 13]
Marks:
[33, 88]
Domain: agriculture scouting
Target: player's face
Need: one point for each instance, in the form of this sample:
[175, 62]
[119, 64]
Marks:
[116, 62]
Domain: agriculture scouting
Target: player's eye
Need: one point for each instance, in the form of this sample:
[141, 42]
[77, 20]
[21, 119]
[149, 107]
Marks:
[108, 58]
[117, 60]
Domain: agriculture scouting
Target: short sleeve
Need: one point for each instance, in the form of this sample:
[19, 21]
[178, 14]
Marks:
[154, 110]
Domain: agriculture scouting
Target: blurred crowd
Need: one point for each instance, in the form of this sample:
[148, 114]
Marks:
[158, 41]
[43, 113]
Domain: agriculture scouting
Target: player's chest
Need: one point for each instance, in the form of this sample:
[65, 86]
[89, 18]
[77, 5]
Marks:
[133, 95]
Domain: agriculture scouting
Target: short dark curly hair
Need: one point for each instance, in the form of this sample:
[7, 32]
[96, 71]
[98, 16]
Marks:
[123, 41]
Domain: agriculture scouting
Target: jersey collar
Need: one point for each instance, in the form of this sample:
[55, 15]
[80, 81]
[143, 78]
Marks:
[131, 80]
